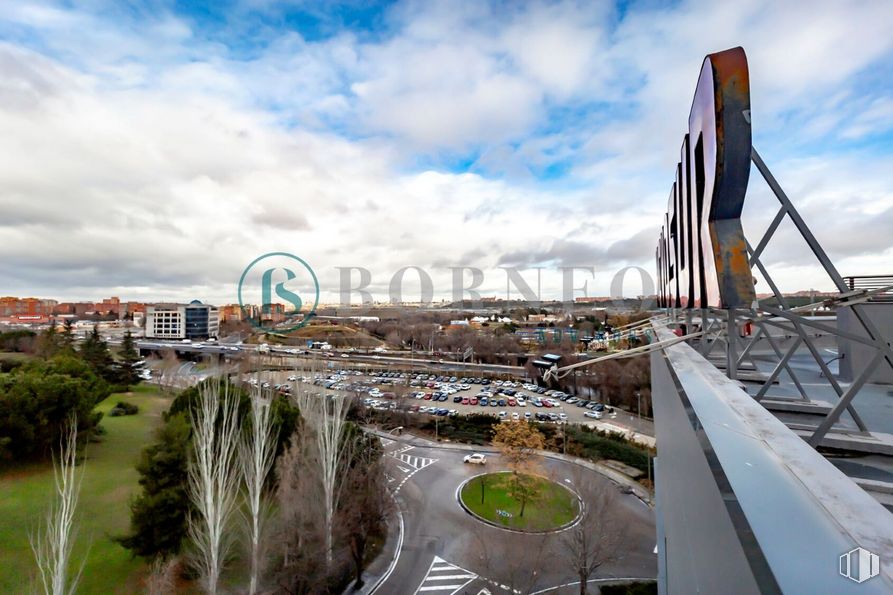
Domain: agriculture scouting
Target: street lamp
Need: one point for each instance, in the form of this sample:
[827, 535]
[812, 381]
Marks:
[639, 406]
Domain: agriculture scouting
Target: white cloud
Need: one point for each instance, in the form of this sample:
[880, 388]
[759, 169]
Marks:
[150, 161]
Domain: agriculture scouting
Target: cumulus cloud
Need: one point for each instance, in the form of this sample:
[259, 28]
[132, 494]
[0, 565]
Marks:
[145, 154]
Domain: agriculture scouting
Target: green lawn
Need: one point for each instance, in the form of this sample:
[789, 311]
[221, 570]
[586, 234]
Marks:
[552, 507]
[109, 482]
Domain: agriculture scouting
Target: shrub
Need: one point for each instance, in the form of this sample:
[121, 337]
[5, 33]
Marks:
[124, 408]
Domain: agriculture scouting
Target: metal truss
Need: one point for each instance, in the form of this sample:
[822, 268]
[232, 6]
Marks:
[720, 328]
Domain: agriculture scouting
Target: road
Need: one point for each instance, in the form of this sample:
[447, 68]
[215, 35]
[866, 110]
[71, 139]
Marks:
[441, 551]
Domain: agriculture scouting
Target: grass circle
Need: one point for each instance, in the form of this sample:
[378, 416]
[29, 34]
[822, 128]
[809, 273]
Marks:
[552, 507]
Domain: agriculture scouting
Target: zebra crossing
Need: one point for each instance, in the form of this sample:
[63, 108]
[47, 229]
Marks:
[416, 463]
[408, 464]
[444, 577]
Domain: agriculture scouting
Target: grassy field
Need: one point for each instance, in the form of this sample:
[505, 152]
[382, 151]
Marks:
[109, 482]
[553, 507]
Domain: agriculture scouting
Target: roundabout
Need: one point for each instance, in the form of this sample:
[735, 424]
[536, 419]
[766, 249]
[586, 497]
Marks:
[443, 546]
[519, 502]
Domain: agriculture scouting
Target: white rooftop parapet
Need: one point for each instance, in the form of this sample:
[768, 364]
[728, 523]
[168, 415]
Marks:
[735, 485]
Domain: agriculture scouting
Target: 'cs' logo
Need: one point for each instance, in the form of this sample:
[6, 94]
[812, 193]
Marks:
[270, 291]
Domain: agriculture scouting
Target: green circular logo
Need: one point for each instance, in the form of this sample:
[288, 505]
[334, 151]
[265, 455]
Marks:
[275, 292]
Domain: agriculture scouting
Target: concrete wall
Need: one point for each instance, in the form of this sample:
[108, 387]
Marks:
[700, 550]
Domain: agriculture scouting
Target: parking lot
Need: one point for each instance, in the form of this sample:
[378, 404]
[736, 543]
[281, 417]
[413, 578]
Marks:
[432, 394]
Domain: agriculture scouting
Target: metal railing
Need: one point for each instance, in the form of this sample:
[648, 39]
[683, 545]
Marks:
[871, 282]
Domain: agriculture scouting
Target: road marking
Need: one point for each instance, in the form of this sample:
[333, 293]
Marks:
[441, 570]
[425, 463]
[414, 461]
[403, 469]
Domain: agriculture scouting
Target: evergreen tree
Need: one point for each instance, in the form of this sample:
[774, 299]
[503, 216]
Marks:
[95, 352]
[67, 338]
[129, 357]
[159, 513]
[48, 344]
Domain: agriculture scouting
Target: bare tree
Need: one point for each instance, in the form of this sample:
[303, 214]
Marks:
[299, 525]
[599, 537]
[162, 577]
[213, 477]
[365, 506]
[513, 560]
[55, 537]
[170, 365]
[324, 420]
[257, 450]
[518, 443]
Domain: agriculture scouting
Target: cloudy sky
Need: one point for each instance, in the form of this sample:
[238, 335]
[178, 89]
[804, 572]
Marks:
[153, 149]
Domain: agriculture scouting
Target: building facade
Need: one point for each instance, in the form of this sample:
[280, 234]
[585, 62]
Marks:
[194, 320]
[166, 321]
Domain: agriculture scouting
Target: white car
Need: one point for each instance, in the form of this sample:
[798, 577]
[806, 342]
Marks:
[521, 402]
[593, 414]
[292, 378]
[515, 416]
[476, 459]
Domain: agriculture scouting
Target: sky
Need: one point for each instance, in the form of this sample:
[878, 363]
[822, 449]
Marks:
[152, 150]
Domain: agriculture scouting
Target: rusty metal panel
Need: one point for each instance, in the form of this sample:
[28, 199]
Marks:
[691, 234]
[705, 256]
[720, 117]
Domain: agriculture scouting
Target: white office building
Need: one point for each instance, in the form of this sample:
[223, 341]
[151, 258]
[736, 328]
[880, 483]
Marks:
[194, 320]
[166, 321]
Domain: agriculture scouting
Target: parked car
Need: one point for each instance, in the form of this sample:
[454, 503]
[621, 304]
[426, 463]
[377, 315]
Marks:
[476, 459]
[593, 414]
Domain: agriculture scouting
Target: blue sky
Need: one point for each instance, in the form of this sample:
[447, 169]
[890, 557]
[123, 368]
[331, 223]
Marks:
[434, 134]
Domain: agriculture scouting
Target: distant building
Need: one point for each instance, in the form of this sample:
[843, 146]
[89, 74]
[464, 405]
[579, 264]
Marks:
[14, 306]
[194, 320]
[231, 313]
[202, 321]
[166, 321]
[273, 313]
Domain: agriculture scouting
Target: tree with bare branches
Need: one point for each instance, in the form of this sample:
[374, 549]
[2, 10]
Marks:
[599, 538]
[366, 503]
[257, 450]
[213, 478]
[324, 416]
[516, 562]
[55, 537]
[518, 443]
